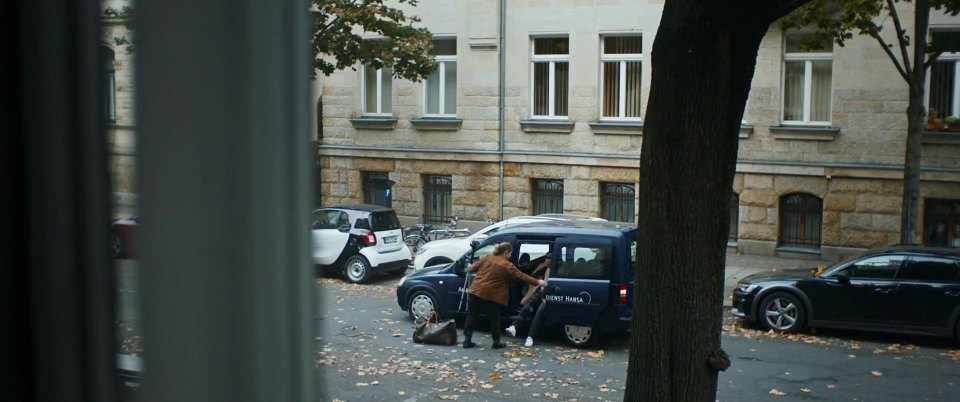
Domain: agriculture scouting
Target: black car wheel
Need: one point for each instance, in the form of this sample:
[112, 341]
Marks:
[579, 336]
[356, 269]
[421, 304]
[782, 312]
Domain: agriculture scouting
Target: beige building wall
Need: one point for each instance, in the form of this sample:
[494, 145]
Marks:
[121, 133]
[853, 164]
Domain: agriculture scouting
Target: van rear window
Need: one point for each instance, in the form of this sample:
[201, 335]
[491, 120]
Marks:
[380, 221]
[585, 262]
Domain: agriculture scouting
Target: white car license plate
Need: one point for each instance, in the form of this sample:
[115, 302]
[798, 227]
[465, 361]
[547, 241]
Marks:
[390, 239]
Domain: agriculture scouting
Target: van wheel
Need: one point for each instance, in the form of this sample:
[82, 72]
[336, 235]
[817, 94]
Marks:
[357, 269]
[579, 336]
[420, 305]
[782, 312]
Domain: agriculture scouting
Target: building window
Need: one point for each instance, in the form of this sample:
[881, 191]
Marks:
[110, 83]
[551, 77]
[942, 223]
[620, 60]
[734, 216]
[807, 80]
[547, 196]
[377, 91]
[378, 189]
[944, 90]
[437, 199]
[617, 202]
[800, 218]
[440, 88]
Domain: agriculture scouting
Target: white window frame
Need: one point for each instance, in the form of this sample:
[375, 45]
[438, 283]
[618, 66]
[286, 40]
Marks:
[955, 58]
[442, 72]
[552, 59]
[623, 59]
[808, 59]
[363, 93]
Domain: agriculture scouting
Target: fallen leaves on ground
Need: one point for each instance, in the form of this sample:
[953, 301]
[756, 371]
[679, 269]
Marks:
[777, 392]
[876, 373]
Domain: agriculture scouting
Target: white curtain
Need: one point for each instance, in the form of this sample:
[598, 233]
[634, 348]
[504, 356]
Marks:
[820, 90]
[793, 90]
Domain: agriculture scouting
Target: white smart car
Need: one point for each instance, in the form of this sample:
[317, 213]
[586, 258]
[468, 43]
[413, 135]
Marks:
[359, 240]
[445, 251]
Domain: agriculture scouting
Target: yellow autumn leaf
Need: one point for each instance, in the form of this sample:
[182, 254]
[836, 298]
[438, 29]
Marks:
[777, 392]
[876, 373]
[596, 355]
[494, 375]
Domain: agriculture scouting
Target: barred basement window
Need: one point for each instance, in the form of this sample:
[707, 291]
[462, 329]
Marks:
[547, 196]
[734, 216]
[617, 202]
[801, 216]
[437, 199]
[378, 189]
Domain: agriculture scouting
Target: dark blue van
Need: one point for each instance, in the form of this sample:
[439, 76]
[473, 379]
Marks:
[590, 289]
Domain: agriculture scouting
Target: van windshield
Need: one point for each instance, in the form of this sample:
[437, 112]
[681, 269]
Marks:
[381, 221]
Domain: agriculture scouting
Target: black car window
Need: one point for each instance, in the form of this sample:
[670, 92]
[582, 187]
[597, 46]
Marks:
[386, 220]
[584, 262]
[480, 253]
[931, 269]
[326, 219]
[343, 219]
[880, 267]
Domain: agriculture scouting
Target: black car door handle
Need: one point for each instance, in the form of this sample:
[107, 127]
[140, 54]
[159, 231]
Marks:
[952, 293]
[883, 290]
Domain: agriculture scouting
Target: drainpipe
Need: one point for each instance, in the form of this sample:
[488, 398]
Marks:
[501, 93]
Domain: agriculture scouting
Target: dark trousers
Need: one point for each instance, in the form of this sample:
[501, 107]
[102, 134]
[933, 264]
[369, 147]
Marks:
[476, 305]
[536, 307]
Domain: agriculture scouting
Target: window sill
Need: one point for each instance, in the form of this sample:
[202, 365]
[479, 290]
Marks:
[805, 133]
[617, 127]
[547, 126]
[745, 131]
[375, 123]
[940, 137]
[437, 123]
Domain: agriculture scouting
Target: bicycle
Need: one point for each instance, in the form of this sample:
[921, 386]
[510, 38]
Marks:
[422, 234]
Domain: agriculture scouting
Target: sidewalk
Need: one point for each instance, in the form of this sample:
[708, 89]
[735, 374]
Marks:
[740, 266]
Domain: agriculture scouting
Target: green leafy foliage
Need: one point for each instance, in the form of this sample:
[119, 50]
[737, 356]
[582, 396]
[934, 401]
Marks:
[839, 20]
[339, 30]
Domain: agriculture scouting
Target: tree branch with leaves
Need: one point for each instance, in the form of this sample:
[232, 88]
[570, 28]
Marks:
[340, 38]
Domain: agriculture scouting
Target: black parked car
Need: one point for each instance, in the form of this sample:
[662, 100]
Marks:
[894, 289]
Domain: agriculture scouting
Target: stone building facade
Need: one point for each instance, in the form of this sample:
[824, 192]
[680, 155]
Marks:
[120, 114]
[821, 151]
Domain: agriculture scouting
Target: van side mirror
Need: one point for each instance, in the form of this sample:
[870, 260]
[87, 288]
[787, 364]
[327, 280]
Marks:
[474, 245]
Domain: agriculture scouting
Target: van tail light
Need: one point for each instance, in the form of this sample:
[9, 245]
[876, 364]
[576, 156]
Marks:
[369, 239]
[623, 293]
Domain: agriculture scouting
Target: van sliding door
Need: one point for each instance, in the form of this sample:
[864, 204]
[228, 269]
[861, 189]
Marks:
[579, 285]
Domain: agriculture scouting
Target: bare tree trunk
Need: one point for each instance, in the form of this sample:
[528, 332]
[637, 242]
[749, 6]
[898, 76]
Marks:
[910, 213]
[703, 62]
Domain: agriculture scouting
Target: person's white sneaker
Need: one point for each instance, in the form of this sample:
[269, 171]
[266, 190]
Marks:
[529, 342]
[512, 331]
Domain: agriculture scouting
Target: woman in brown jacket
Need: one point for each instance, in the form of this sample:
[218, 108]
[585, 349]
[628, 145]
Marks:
[489, 291]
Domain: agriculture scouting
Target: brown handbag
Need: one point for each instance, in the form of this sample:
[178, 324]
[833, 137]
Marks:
[432, 331]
